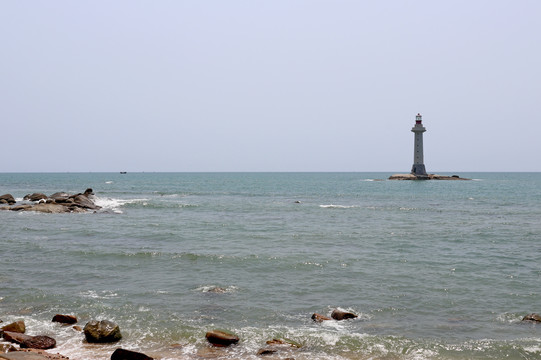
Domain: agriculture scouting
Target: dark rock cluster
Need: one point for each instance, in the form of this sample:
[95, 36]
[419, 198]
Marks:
[31, 347]
[59, 202]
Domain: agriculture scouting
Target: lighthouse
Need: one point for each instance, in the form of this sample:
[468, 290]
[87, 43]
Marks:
[418, 168]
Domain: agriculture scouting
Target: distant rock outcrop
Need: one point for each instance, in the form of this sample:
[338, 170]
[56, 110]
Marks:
[425, 177]
[59, 202]
[7, 199]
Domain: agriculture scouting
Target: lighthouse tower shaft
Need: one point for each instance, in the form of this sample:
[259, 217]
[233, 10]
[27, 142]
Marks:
[418, 167]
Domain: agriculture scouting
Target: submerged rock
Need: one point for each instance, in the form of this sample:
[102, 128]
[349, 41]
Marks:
[342, 315]
[221, 338]
[64, 319]
[320, 318]
[532, 317]
[103, 331]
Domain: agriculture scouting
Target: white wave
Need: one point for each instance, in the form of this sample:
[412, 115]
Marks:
[332, 206]
[114, 204]
[216, 289]
[108, 182]
[106, 294]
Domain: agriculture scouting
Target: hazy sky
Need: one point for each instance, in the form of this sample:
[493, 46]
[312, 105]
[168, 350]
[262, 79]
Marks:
[277, 85]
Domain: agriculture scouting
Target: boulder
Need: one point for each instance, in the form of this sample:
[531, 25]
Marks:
[103, 331]
[59, 196]
[15, 337]
[532, 317]
[342, 315]
[18, 327]
[319, 318]
[121, 354]
[84, 202]
[35, 197]
[64, 319]
[7, 199]
[38, 342]
[221, 338]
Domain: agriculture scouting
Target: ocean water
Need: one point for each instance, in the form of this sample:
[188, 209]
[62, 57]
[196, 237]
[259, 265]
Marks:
[434, 269]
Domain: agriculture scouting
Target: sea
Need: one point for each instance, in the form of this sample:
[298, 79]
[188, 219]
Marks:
[433, 269]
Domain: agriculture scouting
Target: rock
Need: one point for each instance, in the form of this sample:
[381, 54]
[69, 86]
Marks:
[103, 331]
[35, 197]
[32, 354]
[49, 208]
[39, 342]
[18, 327]
[121, 354]
[20, 207]
[64, 319]
[7, 199]
[532, 317]
[77, 328]
[84, 202]
[59, 196]
[284, 341]
[4, 348]
[342, 315]
[425, 177]
[221, 338]
[15, 337]
[266, 351]
[319, 318]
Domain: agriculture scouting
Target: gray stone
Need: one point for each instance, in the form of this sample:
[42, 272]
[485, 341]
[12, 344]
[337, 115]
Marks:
[35, 197]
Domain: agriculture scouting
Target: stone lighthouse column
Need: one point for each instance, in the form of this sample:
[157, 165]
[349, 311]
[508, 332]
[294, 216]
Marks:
[418, 167]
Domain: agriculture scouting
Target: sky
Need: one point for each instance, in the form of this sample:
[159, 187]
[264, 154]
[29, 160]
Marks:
[277, 85]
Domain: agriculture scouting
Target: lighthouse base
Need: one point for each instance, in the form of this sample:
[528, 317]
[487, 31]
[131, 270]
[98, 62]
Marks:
[418, 170]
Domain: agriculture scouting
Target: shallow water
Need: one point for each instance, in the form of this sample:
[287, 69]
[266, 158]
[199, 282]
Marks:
[435, 269]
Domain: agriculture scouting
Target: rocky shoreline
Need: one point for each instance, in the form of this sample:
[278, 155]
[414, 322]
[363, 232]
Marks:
[425, 177]
[16, 345]
[60, 202]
